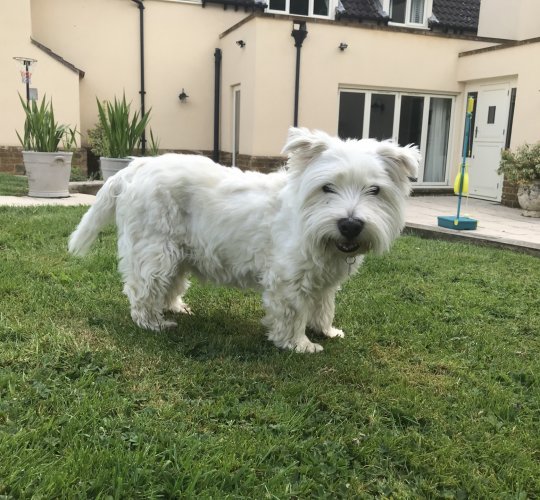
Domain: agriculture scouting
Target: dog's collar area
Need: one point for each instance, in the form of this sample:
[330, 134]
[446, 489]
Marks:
[350, 260]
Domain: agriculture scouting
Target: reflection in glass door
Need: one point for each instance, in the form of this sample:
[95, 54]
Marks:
[381, 121]
[410, 120]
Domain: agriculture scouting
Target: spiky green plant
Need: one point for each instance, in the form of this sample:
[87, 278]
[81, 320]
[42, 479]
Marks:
[121, 130]
[153, 150]
[41, 131]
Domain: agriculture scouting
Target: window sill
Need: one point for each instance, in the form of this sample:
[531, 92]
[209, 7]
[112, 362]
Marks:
[409, 25]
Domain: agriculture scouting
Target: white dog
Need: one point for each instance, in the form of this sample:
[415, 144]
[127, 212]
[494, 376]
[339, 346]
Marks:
[296, 234]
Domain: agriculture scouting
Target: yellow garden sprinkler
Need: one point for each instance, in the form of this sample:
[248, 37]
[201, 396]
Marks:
[462, 182]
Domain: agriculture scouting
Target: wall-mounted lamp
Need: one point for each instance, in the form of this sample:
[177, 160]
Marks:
[241, 43]
[183, 96]
[342, 46]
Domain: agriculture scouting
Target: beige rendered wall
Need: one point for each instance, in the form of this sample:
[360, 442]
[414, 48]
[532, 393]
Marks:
[102, 38]
[374, 59]
[48, 76]
[515, 19]
[509, 63]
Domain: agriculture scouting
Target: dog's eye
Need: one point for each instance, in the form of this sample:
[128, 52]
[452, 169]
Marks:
[328, 188]
[374, 190]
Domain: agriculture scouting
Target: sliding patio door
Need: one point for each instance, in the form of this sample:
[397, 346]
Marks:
[423, 120]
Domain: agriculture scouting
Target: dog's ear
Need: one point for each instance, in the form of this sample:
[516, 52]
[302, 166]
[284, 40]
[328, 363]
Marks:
[304, 145]
[401, 163]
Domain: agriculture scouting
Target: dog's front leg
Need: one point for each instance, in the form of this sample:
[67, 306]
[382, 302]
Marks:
[321, 317]
[286, 319]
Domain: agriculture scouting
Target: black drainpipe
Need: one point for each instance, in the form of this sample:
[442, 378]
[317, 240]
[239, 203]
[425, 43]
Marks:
[299, 34]
[217, 92]
[142, 91]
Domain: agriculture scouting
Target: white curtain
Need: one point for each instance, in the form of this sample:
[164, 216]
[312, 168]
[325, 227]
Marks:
[417, 11]
[437, 140]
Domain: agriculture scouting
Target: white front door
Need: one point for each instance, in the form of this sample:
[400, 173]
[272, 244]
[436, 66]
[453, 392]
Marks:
[489, 136]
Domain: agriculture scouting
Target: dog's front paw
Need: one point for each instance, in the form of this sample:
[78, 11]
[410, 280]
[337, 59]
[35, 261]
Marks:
[179, 306]
[304, 346]
[334, 332]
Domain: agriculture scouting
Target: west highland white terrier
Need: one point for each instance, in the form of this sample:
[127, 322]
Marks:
[296, 234]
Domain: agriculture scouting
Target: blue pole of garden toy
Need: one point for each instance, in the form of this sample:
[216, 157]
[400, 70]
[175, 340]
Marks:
[468, 117]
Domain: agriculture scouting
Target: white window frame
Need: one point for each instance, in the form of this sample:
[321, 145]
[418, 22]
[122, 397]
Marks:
[428, 7]
[368, 92]
[331, 10]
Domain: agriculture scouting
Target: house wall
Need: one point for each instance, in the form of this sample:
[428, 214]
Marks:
[511, 63]
[49, 76]
[103, 39]
[515, 20]
[370, 61]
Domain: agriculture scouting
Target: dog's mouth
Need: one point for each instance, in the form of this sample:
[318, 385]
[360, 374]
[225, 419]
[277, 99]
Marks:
[348, 246]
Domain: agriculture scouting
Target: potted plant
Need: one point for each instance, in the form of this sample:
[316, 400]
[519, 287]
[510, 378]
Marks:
[522, 167]
[48, 169]
[121, 133]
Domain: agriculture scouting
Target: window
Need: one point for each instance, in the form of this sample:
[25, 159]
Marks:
[408, 12]
[418, 119]
[316, 8]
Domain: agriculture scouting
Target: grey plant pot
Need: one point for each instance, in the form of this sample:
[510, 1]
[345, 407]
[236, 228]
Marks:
[529, 199]
[110, 166]
[48, 173]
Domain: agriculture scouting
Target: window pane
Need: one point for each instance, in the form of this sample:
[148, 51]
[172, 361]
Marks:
[417, 11]
[437, 140]
[410, 121]
[397, 10]
[320, 7]
[300, 7]
[381, 121]
[351, 115]
[277, 5]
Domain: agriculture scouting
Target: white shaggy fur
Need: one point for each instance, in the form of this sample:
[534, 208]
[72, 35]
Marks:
[290, 233]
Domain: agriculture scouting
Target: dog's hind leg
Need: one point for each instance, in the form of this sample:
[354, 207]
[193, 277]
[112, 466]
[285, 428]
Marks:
[322, 314]
[148, 269]
[174, 300]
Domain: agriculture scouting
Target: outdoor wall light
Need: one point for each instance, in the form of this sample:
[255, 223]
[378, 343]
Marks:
[342, 46]
[183, 96]
[241, 43]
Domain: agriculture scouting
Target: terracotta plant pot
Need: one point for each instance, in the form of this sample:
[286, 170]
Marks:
[529, 199]
[48, 173]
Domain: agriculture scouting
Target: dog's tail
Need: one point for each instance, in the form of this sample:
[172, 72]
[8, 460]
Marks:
[100, 214]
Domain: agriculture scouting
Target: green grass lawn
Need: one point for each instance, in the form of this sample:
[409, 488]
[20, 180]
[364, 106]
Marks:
[434, 392]
[13, 185]
[17, 185]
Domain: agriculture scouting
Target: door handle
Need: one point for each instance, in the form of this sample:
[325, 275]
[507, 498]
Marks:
[475, 131]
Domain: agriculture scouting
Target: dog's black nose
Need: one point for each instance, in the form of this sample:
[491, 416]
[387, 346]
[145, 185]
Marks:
[350, 227]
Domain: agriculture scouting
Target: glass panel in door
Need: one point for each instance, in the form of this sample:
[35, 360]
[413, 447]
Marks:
[410, 120]
[437, 139]
[236, 126]
[381, 120]
[351, 115]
